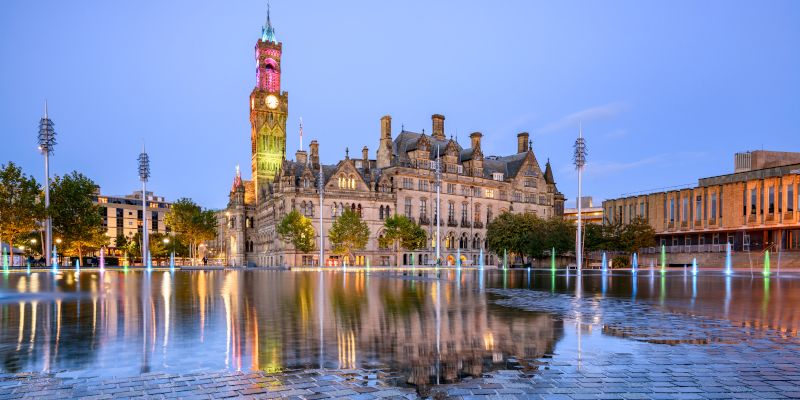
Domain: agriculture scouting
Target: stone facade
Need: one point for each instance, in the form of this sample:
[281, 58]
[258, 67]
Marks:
[400, 180]
[753, 210]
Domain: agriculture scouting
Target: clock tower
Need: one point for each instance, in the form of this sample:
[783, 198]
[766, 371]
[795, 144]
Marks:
[268, 110]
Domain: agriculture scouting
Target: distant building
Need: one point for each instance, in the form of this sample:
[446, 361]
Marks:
[122, 215]
[755, 208]
[590, 214]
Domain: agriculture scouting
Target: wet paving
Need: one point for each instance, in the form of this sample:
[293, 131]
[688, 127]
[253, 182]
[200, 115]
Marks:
[516, 334]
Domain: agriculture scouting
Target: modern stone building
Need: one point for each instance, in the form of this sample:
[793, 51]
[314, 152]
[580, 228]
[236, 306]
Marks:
[122, 215]
[754, 208]
[401, 179]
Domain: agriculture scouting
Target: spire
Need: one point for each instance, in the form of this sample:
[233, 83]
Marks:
[267, 31]
[301, 133]
[237, 181]
[548, 173]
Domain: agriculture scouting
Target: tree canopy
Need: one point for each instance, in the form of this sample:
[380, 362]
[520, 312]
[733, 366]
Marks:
[76, 218]
[297, 229]
[348, 234]
[21, 205]
[191, 223]
[403, 233]
[527, 235]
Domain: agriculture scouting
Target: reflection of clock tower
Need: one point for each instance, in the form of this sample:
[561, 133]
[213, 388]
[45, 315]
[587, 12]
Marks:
[268, 109]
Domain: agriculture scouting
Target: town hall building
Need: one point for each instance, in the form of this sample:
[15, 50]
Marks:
[400, 179]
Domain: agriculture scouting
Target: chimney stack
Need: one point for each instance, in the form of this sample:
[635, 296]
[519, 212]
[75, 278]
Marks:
[384, 153]
[475, 137]
[386, 127]
[301, 157]
[522, 142]
[438, 126]
[314, 146]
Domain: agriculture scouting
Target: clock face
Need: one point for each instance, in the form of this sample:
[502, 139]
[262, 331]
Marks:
[272, 101]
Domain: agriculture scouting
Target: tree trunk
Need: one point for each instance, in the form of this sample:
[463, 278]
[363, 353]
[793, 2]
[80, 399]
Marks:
[11, 252]
[80, 254]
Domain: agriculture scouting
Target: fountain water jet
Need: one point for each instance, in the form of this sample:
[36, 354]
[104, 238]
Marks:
[102, 258]
[458, 258]
[553, 260]
[505, 259]
[663, 259]
[728, 264]
[766, 263]
[55, 259]
[635, 264]
[604, 263]
[694, 266]
[481, 260]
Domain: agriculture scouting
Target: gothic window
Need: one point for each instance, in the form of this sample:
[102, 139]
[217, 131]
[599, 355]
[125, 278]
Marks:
[464, 242]
[388, 212]
[408, 207]
[380, 213]
[476, 213]
[333, 210]
[451, 211]
[488, 215]
[423, 208]
[358, 209]
[464, 212]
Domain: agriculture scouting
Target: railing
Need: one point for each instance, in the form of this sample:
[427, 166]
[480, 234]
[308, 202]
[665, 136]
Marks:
[477, 225]
[424, 220]
[452, 223]
[465, 224]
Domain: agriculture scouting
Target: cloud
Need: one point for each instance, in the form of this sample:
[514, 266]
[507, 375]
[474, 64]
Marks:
[616, 134]
[590, 114]
[604, 168]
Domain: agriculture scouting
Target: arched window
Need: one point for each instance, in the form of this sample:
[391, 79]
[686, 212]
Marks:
[464, 240]
[333, 210]
[388, 212]
[358, 209]
[352, 182]
[380, 212]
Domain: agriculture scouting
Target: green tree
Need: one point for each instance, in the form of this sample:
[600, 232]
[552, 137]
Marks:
[513, 233]
[192, 224]
[403, 233]
[348, 233]
[296, 228]
[20, 204]
[76, 219]
[636, 235]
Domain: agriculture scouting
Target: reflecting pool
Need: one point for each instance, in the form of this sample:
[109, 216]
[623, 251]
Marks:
[426, 327]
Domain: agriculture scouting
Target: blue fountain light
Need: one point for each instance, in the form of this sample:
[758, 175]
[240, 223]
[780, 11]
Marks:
[635, 263]
[604, 263]
[728, 263]
[694, 266]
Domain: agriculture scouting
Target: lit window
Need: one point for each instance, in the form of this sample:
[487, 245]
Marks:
[489, 193]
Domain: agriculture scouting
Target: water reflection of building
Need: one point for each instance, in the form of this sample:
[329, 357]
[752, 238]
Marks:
[267, 320]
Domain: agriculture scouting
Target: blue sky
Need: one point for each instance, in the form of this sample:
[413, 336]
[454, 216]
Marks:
[667, 90]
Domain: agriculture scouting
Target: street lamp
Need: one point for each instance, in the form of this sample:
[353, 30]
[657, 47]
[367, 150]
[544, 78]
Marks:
[47, 140]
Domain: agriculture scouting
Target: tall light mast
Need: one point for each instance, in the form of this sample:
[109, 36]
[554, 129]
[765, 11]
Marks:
[579, 158]
[320, 186]
[144, 175]
[47, 140]
[438, 202]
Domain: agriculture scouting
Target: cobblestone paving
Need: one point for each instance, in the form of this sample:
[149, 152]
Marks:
[312, 384]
